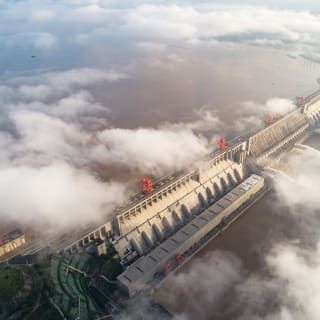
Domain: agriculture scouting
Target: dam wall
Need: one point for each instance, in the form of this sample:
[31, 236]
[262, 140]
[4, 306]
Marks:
[272, 138]
[140, 224]
[150, 269]
[149, 219]
[311, 108]
[169, 209]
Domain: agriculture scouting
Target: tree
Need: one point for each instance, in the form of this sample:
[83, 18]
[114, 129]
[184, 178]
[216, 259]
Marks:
[11, 282]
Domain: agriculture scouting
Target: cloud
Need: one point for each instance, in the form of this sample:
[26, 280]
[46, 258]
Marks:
[291, 291]
[151, 150]
[206, 282]
[54, 134]
[53, 118]
[44, 164]
[302, 279]
[43, 139]
[300, 187]
[201, 286]
[205, 120]
[43, 15]
[251, 115]
[151, 46]
[44, 172]
[48, 84]
[286, 288]
[161, 22]
[133, 22]
[49, 195]
[44, 41]
[91, 13]
[287, 284]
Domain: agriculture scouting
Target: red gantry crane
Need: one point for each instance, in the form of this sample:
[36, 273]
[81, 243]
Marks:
[222, 143]
[271, 117]
[178, 257]
[300, 100]
[146, 185]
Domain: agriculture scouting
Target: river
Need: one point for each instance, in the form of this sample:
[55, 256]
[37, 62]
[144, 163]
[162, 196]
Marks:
[249, 238]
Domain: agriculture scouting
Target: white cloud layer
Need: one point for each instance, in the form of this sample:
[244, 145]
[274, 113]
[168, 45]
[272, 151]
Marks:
[185, 22]
[251, 115]
[152, 150]
[302, 184]
[55, 83]
[287, 285]
[57, 195]
[51, 121]
[53, 132]
[207, 281]
[44, 163]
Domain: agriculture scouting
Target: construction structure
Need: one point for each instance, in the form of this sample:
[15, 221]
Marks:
[137, 226]
[311, 108]
[11, 241]
[170, 219]
[279, 136]
[146, 272]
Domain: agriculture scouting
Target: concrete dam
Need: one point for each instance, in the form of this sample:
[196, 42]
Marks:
[158, 231]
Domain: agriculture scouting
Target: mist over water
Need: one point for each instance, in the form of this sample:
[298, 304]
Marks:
[272, 251]
[72, 130]
[95, 94]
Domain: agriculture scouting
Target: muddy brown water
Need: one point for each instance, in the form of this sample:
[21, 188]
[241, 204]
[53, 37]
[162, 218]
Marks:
[249, 238]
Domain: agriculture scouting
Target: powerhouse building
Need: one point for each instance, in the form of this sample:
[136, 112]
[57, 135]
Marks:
[11, 241]
[149, 269]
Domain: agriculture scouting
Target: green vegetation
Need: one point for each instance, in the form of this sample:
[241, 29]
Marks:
[11, 283]
[24, 293]
[69, 275]
[63, 281]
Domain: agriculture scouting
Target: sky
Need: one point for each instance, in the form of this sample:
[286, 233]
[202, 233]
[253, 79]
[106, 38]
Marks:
[95, 94]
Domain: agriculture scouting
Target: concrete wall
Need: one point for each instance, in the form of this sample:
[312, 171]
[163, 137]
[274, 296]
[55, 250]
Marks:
[277, 133]
[12, 245]
[142, 274]
[161, 218]
[139, 225]
[138, 221]
[312, 109]
[103, 232]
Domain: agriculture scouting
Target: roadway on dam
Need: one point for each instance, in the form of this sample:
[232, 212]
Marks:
[250, 239]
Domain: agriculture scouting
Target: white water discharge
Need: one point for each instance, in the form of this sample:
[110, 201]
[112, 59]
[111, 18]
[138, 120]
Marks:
[292, 265]
[307, 148]
[302, 151]
[277, 173]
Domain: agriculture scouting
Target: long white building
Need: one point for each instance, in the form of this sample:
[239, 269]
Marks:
[150, 269]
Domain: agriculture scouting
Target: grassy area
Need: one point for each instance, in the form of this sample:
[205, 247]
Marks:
[11, 283]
